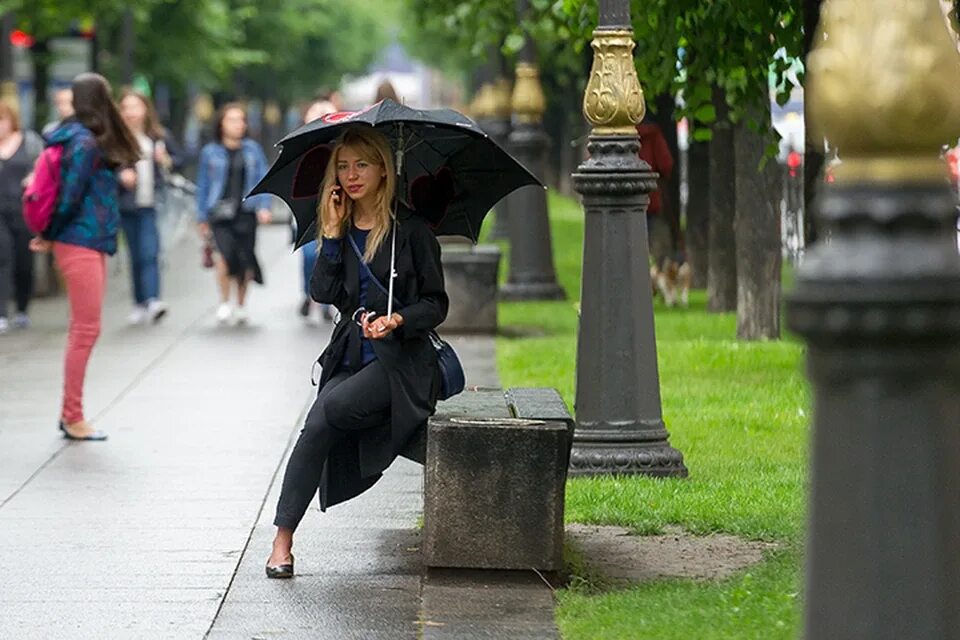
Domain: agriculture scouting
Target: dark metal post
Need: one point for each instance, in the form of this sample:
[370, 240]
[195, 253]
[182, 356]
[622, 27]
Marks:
[493, 102]
[620, 427]
[532, 275]
[879, 306]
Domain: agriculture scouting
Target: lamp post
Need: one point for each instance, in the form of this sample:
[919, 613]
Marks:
[620, 427]
[531, 275]
[879, 306]
[493, 115]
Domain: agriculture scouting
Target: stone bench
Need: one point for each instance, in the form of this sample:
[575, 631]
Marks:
[470, 276]
[495, 469]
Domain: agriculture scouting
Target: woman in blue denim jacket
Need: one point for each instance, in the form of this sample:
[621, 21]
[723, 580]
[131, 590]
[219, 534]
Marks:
[228, 169]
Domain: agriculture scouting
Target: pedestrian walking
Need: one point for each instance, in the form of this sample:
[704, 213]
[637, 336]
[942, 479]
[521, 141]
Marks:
[142, 187]
[386, 91]
[314, 111]
[229, 168]
[83, 230]
[663, 231]
[380, 374]
[63, 105]
[19, 149]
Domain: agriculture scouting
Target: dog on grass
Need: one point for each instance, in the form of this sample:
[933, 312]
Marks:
[672, 282]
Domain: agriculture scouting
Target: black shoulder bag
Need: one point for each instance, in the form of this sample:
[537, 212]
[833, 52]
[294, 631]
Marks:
[452, 379]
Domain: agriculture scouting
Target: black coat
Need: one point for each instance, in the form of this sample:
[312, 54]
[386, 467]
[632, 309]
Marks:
[356, 463]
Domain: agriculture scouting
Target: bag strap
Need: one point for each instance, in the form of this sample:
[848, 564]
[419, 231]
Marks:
[366, 269]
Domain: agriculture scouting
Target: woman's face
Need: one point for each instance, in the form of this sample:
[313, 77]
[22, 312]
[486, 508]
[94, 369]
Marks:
[234, 125]
[358, 177]
[134, 112]
[6, 126]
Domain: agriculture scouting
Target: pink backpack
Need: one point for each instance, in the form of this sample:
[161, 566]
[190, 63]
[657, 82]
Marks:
[40, 197]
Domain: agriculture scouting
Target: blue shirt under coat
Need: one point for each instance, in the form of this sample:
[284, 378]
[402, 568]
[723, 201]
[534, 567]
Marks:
[331, 249]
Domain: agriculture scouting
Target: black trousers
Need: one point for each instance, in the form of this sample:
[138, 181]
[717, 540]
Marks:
[16, 262]
[348, 402]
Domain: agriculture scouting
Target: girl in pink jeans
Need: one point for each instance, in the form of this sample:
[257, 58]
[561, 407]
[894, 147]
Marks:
[84, 271]
[83, 229]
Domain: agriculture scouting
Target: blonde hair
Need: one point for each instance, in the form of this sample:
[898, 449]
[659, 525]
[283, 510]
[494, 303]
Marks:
[372, 147]
[10, 111]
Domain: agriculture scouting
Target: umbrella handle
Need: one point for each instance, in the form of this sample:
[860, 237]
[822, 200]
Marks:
[393, 236]
[393, 271]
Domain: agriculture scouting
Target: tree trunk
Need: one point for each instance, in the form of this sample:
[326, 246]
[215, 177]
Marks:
[757, 231]
[698, 211]
[722, 258]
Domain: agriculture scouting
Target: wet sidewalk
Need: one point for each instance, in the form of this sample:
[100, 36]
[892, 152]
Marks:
[162, 531]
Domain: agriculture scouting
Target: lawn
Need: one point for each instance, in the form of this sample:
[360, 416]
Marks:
[736, 410]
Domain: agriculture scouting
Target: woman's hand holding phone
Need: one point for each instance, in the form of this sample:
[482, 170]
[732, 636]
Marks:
[336, 212]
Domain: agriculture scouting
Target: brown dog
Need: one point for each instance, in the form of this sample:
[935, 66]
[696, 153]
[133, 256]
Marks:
[672, 282]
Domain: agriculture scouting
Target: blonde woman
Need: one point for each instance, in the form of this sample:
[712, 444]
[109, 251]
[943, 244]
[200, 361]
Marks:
[380, 376]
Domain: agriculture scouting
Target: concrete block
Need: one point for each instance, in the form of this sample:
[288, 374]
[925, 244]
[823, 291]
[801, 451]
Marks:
[494, 493]
[470, 274]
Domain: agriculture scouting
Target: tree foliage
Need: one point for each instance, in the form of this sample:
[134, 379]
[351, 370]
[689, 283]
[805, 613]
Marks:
[282, 49]
[683, 46]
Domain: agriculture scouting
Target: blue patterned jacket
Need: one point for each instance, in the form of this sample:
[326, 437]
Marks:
[87, 213]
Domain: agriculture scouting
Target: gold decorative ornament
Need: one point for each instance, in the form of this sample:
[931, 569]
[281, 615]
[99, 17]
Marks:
[203, 107]
[482, 106]
[272, 114]
[883, 89]
[613, 102]
[528, 103]
[500, 98]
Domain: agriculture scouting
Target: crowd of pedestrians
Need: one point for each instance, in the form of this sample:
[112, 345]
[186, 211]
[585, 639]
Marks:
[107, 163]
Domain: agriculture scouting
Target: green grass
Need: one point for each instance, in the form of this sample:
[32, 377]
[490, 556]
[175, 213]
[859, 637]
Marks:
[736, 411]
[757, 605]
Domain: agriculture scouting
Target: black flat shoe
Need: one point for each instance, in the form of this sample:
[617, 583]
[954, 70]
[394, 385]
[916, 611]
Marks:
[281, 571]
[96, 436]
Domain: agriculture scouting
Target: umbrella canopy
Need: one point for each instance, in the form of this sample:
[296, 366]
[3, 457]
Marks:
[450, 172]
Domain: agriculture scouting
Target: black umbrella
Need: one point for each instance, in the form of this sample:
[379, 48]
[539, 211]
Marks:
[450, 172]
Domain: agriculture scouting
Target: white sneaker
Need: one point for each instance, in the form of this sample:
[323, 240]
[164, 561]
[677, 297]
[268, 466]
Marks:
[224, 313]
[240, 316]
[21, 321]
[4, 326]
[156, 309]
[137, 316]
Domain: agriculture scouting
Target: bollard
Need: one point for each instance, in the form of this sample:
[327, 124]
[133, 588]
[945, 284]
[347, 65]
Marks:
[879, 307]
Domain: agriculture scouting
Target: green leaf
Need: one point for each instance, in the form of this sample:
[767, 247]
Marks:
[703, 134]
[706, 113]
[514, 43]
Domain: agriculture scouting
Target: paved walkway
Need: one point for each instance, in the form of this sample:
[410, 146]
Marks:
[162, 532]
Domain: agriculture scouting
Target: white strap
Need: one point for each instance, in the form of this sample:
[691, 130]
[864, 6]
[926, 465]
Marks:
[393, 270]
